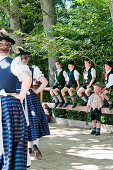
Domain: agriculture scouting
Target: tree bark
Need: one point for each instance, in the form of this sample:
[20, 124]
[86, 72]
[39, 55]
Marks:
[15, 20]
[49, 19]
[14, 14]
[111, 8]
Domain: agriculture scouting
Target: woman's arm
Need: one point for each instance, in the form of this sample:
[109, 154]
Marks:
[26, 79]
[44, 83]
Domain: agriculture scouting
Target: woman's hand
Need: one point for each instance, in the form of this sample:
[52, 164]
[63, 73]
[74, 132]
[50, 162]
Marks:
[35, 91]
[17, 96]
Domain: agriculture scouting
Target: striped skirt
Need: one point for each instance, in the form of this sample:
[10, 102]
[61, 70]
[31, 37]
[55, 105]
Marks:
[14, 135]
[38, 124]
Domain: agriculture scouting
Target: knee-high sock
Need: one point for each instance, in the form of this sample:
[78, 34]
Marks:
[30, 144]
[73, 98]
[65, 99]
[59, 98]
[35, 142]
[110, 102]
[55, 98]
[84, 98]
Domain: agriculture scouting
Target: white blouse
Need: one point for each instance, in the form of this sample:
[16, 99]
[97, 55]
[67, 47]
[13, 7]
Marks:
[37, 73]
[16, 66]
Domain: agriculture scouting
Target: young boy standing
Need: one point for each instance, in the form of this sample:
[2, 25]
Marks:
[108, 82]
[73, 84]
[61, 78]
[89, 76]
[95, 104]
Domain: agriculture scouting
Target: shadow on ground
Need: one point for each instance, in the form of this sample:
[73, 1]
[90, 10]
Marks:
[69, 148]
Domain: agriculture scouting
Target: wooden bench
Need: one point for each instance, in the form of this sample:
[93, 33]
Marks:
[105, 110]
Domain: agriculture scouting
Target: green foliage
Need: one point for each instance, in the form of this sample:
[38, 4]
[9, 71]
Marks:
[82, 31]
[4, 20]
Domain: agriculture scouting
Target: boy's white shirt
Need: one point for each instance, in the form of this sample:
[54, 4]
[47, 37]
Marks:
[76, 74]
[110, 80]
[94, 102]
[64, 74]
[93, 73]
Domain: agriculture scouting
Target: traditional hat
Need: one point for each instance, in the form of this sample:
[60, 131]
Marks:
[97, 84]
[21, 52]
[4, 36]
[71, 62]
[109, 63]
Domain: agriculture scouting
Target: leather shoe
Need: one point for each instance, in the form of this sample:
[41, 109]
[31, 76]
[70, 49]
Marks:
[60, 104]
[65, 104]
[73, 105]
[110, 106]
[55, 105]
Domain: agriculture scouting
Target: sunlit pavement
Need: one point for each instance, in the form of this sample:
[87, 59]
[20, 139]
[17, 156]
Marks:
[69, 148]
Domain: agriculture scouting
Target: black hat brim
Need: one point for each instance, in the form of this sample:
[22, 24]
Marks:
[22, 53]
[7, 38]
[109, 63]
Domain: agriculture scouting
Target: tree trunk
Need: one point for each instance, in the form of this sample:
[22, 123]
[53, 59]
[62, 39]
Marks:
[111, 8]
[49, 19]
[15, 21]
[14, 14]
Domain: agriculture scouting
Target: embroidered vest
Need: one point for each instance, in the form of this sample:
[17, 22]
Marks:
[89, 76]
[7, 79]
[71, 76]
[60, 77]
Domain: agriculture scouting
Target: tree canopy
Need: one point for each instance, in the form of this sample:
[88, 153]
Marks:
[83, 30]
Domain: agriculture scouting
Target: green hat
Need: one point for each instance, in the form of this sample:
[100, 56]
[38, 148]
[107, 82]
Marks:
[22, 52]
[109, 63]
[97, 84]
[7, 38]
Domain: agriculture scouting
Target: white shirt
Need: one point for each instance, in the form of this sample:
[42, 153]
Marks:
[46, 112]
[94, 102]
[16, 66]
[37, 73]
[93, 73]
[110, 80]
[76, 75]
[64, 74]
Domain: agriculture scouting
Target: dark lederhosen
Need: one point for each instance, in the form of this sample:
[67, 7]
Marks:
[72, 82]
[95, 114]
[38, 124]
[13, 123]
[60, 80]
[87, 81]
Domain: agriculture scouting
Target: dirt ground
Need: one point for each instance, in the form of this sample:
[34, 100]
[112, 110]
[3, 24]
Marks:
[70, 148]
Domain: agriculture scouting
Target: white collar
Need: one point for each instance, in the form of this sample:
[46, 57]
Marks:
[2, 57]
[108, 71]
[59, 70]
[88, 68]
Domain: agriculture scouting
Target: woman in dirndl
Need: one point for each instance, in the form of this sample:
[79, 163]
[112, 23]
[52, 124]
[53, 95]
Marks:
[38, 124]
[13, 127]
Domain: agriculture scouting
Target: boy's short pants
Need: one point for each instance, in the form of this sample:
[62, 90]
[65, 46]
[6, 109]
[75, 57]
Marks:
[72, 85]
[59, 86]
[85, 85]
[95, 114]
